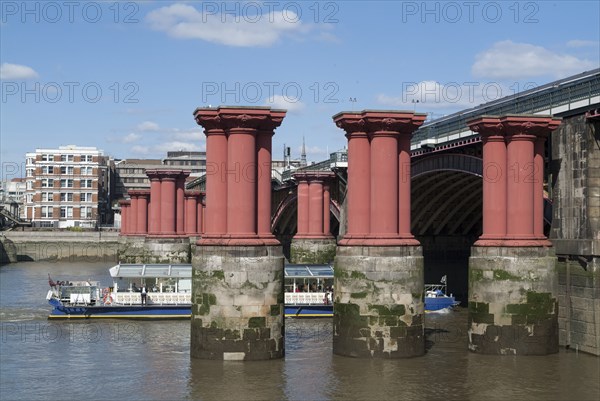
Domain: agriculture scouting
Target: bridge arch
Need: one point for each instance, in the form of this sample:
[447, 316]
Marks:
[285, 217]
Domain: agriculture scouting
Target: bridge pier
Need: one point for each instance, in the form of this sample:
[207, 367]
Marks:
[237, 282]
[513, 282]
[313, 242]
[378, 298]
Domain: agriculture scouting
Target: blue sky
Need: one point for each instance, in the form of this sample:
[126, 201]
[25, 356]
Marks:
[126, 76]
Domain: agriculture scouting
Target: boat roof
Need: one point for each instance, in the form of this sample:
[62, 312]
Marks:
[151, 270]
[308, 271]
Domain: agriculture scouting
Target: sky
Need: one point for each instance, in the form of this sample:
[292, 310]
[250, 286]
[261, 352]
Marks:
[126, 76]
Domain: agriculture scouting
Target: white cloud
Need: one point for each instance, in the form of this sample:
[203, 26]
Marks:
[189, 134]
[177, 145]
[509, 60]
[131, 137]
[582, 43]
[143, 150]
[290, 104]
[182, 21]
[435, 95]
[16, 71]
[148, 126]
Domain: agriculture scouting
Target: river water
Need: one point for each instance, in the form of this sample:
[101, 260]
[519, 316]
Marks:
[94, 360]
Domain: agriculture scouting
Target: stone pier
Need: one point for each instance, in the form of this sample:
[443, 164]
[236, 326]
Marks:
[513, 282]
[313, 242]
[153, 222]
[237, 292]
[378, 298]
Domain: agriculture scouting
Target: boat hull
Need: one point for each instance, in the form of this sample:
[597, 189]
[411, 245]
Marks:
[153, 312]
[437, 303]
[309, 311]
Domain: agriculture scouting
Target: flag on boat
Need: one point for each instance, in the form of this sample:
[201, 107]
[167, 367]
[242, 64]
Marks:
[443, 280]
[50, 282]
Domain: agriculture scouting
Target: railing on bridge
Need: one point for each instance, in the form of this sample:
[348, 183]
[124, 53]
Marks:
[555, 97]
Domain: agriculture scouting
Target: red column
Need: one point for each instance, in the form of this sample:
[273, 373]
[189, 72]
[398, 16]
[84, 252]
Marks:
[390, 134]
[404, 201]
[303, 208]
[237, 198]
[520, 167]
[180, 203]
[315, 208]
[216, 182]
[123, 204]
[167, 203]
[538, 188]
[202, 216]
[524, 183]
[130, 229]
[155, 192]
[358, 191]
[384, 184]
[494, 179]
[142, 217]
[241, 183]
[133, 213]
[326, 212]
[263, 195]
[191, 210]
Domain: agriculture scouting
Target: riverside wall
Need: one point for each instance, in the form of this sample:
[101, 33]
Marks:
[65, 246]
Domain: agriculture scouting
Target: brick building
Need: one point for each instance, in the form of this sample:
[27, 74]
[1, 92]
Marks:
[67, 187]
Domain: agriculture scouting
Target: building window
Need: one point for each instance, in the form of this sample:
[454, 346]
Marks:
[47, 170]
[47, 183]
[66, 212]
[46, 211]
[29, 185]
[86, 183]
[47, 158]
[29, 198]
[66, 158]
[66, 197]
[86, 171]
[86, 212]
[86, 158]
[68, 183]
[66, 170]
[30, 172]
[86, 197]
[47, 197]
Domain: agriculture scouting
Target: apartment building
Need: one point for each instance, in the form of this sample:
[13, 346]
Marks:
[67, 187]
[192, 161]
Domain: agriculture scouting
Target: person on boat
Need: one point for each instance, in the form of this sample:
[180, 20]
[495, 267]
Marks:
[143, 293]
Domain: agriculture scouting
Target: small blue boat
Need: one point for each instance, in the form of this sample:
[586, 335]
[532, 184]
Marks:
[436, 298]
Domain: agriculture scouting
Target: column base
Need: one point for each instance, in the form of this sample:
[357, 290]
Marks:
[379, 240]
[513, 242]
[269, 239]
[237, 295]
[312, 250]
[513, 307]
[146, 249]
[378, 302]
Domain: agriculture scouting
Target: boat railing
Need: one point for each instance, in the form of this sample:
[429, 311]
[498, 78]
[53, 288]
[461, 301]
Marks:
[152, 298]
[305, 298]
[434, 290]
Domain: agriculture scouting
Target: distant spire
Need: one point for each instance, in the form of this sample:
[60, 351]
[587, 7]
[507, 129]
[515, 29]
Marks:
[303, 154]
